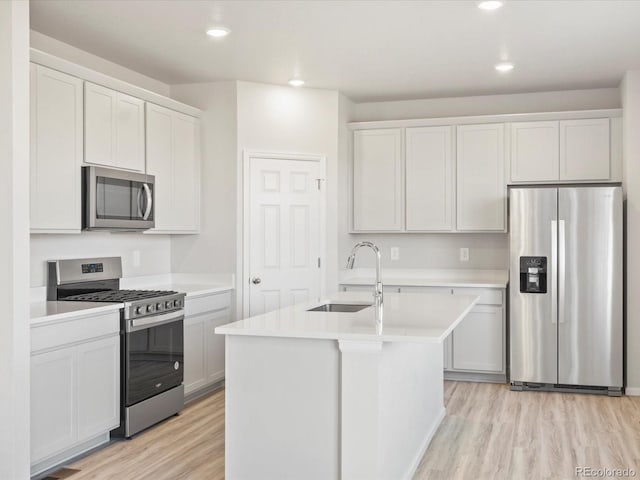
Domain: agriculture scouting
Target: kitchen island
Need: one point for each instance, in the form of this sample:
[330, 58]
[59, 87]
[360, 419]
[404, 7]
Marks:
[328, 395]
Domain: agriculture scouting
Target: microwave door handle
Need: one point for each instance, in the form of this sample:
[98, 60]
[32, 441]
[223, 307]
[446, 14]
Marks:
[139, 204]
[147, 191]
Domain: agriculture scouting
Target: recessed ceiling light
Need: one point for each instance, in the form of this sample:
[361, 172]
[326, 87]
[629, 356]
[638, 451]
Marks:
[504, 67]
[218, 32]
[296, 82]
[490, 4]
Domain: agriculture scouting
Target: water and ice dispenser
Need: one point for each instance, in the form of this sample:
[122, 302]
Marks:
[533, 274]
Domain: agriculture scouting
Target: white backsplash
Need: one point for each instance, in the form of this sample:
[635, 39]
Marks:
[154, 252]
[431, 251]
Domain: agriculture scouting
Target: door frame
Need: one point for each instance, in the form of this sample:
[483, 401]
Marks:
[244, 222]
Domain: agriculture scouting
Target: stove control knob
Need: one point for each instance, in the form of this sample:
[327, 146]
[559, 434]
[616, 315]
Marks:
[176, 303]
[168, 304]
[159, 306]
[149, 308]
[138, 310]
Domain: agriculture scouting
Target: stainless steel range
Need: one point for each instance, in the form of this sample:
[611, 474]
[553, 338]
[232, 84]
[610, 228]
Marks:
[151, 337]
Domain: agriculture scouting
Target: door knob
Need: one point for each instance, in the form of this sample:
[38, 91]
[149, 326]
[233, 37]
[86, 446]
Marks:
[255, 280]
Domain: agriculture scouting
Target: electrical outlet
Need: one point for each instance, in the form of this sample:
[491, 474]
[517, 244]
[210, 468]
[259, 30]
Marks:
[464, 254]
[395, 253]
[136, 258]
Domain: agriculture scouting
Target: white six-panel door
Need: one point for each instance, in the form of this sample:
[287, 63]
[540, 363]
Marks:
[283, 233]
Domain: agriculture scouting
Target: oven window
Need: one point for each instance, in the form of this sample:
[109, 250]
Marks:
[118, 199]
[154, 361]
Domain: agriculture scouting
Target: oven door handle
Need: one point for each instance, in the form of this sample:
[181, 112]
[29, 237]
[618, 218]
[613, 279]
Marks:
[135, 324]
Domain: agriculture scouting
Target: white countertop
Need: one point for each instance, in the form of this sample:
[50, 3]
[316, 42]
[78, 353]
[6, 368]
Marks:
[430, 278]
[408, 317]
[49, 311]
[193, 285]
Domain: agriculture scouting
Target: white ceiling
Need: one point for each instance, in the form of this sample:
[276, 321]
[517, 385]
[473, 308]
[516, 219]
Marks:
[369, 50]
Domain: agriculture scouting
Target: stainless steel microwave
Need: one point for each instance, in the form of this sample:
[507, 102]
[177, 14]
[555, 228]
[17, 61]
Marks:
[117, 200]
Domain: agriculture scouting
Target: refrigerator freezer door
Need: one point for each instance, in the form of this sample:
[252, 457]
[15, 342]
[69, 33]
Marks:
[590, 294]
[532, 318]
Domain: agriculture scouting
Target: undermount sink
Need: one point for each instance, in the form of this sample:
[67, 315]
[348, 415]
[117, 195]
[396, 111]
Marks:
[339, 307]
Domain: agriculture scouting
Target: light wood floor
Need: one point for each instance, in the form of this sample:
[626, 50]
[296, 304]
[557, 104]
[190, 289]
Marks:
[489, 433]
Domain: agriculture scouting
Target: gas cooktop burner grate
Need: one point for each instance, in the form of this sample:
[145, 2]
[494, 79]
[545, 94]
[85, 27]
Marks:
[119, 295]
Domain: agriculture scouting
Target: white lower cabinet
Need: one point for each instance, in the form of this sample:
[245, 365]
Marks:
[478, 342]
[53, 402]
[75, 387]
[203, 349]
[98, 401]
[476, 349]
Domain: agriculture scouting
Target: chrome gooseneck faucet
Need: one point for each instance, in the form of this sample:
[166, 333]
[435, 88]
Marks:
[377, 292]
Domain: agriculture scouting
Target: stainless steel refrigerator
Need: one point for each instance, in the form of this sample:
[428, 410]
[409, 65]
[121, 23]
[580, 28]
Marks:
[565, 312]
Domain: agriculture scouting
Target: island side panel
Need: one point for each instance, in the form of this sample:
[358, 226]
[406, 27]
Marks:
[411, 405]
[282, 408]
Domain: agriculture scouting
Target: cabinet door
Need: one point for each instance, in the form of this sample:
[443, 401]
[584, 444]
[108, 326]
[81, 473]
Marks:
[186, 173]
[159, 163]
[447, 350]
[478, 340]
[114, 128]
[585, 149]
[53, 402]
[173, 157]
[129, 147]
[98, 387]
[377, 180]
[195, 344]
[535, 148]
[215, 345]
[100, 109]
[429, 179]
[481, 189]
[56, 151]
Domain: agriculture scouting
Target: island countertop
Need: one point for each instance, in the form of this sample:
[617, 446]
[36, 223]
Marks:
[407, 317]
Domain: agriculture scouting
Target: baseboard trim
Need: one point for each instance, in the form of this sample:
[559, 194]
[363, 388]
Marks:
[475, 377]
[193, 396]
[632, 391]
[425, 444]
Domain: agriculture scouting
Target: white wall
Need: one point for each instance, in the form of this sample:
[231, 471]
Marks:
[214, 250]
[60, 49]
[14, 240]
[489, 105]
[630, 90]
[155, 252]
[285, 119]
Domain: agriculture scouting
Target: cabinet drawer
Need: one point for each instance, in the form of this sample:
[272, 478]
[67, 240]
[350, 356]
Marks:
[51, 335]
[215, 301]
[488, 296]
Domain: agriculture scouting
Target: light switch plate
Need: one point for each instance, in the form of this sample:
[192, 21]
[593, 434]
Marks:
[464, 254]
[395, 253]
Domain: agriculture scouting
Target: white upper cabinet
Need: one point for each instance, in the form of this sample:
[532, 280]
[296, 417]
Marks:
[481, 187]
[114, 129]
[173, 157]
[534, 151]
[377, 180]
[56, 151]
[584, 149]
[429, 178]
[566, 150]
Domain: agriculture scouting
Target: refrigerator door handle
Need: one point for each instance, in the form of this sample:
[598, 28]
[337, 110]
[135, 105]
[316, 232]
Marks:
[554, 270]
[561, 270]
